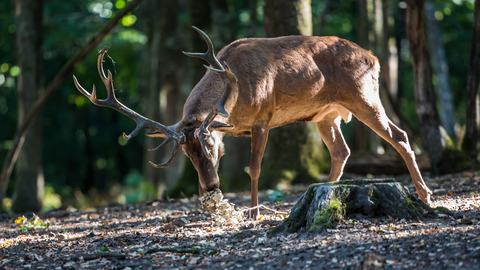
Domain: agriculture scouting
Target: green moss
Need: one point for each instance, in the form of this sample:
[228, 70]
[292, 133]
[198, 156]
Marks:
[327, 217]
[373, 197]
[310, 192]
[442, 210]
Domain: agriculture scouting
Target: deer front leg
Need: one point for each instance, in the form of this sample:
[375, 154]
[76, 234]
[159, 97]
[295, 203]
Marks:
[259, 141]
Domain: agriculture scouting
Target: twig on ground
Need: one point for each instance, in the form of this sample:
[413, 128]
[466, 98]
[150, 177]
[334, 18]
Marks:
[93, 256]
[183, 250]
[265, 208]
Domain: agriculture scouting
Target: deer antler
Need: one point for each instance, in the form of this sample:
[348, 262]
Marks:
[141, 121]
[219, 108]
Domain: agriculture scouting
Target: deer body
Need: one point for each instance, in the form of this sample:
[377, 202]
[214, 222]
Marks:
[284, 80]
[274, 82]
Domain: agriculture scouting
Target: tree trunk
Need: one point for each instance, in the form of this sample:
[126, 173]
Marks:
[294, 152]
[29, 182]
[361, 133]
[171, 72]
[151, 94]
[471, 136]
[252, 11]
[440, 69]
[283, 18]
[222, 23]
[199, 13]
[424, 96]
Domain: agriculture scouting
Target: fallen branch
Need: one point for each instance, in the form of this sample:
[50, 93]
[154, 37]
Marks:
[93, 256]
[184, 250]
[19, 138]
[265, 208]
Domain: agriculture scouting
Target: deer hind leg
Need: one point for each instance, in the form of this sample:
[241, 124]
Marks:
[329, 129]
[373, 115]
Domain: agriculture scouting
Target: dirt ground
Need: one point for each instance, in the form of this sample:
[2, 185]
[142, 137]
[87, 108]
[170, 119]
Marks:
[178, 235]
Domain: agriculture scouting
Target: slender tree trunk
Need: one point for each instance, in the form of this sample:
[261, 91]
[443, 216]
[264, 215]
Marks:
[29, 181]
[222, 23]
[440, 69]
[294, 152]
[360, 135]
[473, 114]
[199, 13]
[252, 11]
[151, 92]
[171, 71]
[424, 95]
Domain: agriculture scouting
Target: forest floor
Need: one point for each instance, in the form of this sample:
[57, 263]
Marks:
[178, 235]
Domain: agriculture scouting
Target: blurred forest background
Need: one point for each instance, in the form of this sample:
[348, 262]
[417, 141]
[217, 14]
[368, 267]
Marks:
[75, 156]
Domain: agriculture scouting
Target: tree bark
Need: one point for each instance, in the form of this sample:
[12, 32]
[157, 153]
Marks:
[150, 96]
[171, 70]
[29, 182]
[222, 23]
[283, 18]
[440, 69]
[199, 13]
[294, 152]
[424, 96]
[473, 118]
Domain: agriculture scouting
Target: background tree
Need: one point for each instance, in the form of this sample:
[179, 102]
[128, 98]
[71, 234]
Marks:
[440, 69]
[29, 182]
[473, 114]
[294, 152]
[424, 95]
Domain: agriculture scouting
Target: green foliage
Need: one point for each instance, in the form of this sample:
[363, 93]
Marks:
[51, 200]
[26, 225]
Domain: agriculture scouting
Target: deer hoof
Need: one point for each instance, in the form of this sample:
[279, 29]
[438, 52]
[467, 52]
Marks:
[253, 214]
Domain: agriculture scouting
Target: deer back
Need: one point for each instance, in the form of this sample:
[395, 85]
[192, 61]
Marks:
[286, 79]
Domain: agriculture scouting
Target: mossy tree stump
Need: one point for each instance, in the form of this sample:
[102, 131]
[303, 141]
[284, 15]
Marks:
[323, 205]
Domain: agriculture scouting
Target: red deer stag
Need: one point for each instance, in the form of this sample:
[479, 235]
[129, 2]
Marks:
[257, 84]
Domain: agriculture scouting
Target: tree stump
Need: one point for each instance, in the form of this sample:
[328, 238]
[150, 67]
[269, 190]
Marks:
[323, 205]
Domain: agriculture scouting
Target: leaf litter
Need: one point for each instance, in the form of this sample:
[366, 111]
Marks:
[182, 234]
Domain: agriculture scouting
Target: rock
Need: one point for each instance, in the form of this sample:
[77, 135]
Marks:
[323, 205]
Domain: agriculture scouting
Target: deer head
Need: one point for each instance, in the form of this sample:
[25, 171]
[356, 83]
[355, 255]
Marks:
[201, 141]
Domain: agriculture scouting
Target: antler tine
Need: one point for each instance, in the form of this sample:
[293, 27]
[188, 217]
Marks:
[219, 108]
[176, 146]
[209, 55]
[141, 121]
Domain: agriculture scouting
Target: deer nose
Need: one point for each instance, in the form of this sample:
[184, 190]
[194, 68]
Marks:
[210, 183]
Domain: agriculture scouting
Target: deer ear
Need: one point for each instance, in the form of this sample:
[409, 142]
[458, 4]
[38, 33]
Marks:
[219, 126]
